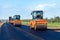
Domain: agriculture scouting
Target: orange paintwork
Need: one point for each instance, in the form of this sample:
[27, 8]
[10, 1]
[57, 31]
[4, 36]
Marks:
[32, 23]
[10, 21]
[42, 21]
[16, 22]
[36, 21]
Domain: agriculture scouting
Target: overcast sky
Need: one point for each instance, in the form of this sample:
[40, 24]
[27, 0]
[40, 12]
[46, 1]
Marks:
[24, 8]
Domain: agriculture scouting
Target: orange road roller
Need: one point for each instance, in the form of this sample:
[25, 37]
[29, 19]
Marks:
[38, 22]
[15, 20]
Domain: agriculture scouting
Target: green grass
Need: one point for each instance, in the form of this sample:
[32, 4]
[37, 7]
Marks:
[49, 24]
[25, 22]
[54, 24]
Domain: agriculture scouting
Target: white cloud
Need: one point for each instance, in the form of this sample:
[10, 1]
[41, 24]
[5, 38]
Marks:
[43, 6]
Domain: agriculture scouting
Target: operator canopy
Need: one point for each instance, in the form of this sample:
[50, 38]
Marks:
[37, 14]
[16, 17]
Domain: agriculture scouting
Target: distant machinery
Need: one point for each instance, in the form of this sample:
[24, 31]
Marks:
[15, 20]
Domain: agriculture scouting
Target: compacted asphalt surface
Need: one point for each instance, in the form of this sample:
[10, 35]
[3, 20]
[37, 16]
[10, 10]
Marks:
[10, 32]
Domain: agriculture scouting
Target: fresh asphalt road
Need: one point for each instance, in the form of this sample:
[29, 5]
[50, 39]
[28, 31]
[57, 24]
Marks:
[46, 35]
[9, 32]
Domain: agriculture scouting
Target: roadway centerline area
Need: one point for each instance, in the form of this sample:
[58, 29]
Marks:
[9, 32]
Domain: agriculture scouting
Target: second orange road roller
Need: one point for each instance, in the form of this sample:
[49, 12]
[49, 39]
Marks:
[38, 22]
[15, 20]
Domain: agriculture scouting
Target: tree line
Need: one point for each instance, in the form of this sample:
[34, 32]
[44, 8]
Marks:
[55, 19]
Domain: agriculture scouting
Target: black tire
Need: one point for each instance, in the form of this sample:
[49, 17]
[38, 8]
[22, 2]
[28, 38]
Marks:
[17, 25]
[31, 28]
[44, 29]
[11, 23]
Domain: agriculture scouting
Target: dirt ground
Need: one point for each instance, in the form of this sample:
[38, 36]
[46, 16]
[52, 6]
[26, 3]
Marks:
[1, 24]
[54, 28]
